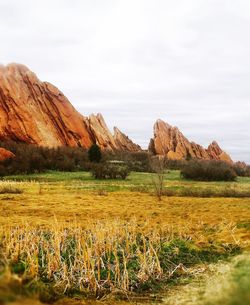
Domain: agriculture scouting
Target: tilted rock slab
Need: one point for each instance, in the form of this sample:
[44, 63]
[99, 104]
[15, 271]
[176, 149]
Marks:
[123, 142]
[37, 112]
[5, 154]
[168, 141]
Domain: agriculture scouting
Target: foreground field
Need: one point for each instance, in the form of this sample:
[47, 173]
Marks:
[127, 239]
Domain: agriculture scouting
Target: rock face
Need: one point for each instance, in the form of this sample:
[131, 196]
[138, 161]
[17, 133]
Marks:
[38, 113]
[123, 142]
[5, 154]
[100, 132]
[170, 142]
[216, 152]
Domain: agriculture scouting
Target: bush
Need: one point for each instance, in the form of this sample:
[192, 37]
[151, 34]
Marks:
[135, 161]
[247, 174]
[242, 169]
[208, 171]
[158, 166]
[109, 171]
[94, 153]
[175, 164]
[35, 159]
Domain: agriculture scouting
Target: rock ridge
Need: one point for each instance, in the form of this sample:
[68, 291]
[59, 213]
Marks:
[168, 141]
[36, 112]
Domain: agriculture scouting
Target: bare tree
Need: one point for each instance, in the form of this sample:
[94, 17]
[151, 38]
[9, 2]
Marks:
[158, 165]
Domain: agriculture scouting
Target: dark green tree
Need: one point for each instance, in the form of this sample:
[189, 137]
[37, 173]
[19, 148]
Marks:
[94, 153]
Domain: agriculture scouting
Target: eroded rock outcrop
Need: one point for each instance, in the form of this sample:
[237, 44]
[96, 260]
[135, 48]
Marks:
[38, 113]
[170, 142]
[100, 132]
[216, 152]
[123, 142]
[5, 154]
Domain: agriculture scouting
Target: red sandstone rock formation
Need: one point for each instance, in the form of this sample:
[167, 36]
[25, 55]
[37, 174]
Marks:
[123, 142]
[215, 152]
[38, 113]
[5, 154]
[100, 132]
[170, 142]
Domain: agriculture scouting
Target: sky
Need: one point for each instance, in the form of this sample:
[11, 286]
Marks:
[135, 61]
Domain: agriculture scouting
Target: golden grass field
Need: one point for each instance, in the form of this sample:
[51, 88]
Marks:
[112, 210]
[41, 204]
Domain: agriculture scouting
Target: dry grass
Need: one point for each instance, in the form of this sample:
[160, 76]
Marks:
[10, 187]
[39, 204]
[223, 283]
[87, 240]
[105, 257]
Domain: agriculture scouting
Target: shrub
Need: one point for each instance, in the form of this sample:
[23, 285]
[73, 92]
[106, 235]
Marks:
[208, 171]
[135, 161]
[34, 159]
[158, 166]
[94, 153]
[31, 159]
[247, 174]
[175, 164]
[109, 171]
[242, 169]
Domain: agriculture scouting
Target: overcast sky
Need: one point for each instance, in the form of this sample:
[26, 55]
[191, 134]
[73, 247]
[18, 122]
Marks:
[184, 61]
